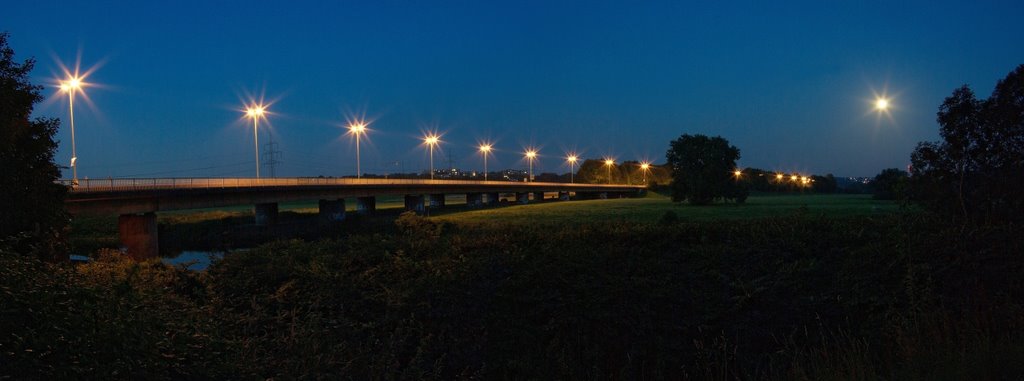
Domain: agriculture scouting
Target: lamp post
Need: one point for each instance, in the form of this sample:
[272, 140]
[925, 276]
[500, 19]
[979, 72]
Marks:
[256, 112]
[644, 167]
[572, 164]
[485, 149]
[357, 129]
[609, 163]
[71, 86]
[531, 154]
[431, 141]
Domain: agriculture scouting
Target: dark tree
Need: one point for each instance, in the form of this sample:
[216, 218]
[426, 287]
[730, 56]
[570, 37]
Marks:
[824, 184]
[702, 170]
[889, 184]
[32, 213]
[593, 171]
[976, 172]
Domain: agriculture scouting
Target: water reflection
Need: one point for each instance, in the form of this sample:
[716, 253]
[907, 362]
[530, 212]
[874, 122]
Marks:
[197, 260]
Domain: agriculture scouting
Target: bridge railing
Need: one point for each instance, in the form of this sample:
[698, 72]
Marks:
[133, 184]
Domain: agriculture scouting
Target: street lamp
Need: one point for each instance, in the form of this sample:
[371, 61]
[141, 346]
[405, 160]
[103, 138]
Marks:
[882, 104]
[572, 159]
[644, 167]
[357, 129]
[609, 163]
[531, 154]
[431, 141]
[71, 86]
[256, 111]
[485, 149]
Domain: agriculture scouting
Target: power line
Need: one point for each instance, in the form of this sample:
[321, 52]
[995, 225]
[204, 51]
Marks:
[271, 157]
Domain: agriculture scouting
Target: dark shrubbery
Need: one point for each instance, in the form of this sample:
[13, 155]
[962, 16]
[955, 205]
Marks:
[791, 297]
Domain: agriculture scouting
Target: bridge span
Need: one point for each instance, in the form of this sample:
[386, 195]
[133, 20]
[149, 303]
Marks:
[137, 201]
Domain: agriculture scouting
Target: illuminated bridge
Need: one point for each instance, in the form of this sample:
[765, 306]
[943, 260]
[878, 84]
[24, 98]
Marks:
[138, 200]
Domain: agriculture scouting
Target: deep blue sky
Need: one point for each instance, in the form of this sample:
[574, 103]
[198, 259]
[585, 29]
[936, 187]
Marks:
[789, 83]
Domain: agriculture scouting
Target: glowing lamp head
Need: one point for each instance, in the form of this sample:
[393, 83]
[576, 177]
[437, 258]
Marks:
[881, 104]
[572, 158]
[357, 128]
[779, 176]
[794, 177]
[431, 140]
[737, 173]
[645, 166]
[72, 84]
[485, 148]
[255, 111]
[609, 162]
[531, 154]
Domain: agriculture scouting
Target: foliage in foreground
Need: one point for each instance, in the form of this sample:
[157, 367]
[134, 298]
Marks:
[32, 213]
[895, 297]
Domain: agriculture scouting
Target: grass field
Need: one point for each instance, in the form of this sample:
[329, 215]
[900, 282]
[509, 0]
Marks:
[89, 233]
[654, 207]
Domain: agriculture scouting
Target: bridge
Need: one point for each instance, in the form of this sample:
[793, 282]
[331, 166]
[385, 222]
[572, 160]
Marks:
[137, 200]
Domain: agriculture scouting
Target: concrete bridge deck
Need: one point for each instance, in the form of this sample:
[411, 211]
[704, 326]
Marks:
[138, 200]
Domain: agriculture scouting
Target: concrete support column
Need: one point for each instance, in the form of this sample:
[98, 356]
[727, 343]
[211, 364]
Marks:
[474, 200]
[563, 196]
[139, 236]
[603, 195]
[414, 202]
[332, 210]
[437, 201]
[366, 205]
[538, 196]
[266, 214]
[522, 197]
[493, 198]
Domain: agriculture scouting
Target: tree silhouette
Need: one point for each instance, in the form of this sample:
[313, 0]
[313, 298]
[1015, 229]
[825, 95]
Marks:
[977, 171]
[33, 204]
[703, 170]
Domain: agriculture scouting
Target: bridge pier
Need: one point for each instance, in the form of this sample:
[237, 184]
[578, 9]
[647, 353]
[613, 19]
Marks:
[414, 202]
[437, 200]
[139, 235]
[474, 200]
[522, 197]
[538, 196]
[332, 211]
[366, 205]
[603, 195]
[493, 198]
[563, 196]
[266, 213]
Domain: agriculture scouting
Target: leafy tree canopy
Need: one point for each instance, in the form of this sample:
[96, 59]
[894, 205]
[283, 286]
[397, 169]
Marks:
[703, 170]
[976, 172]
[32, 206]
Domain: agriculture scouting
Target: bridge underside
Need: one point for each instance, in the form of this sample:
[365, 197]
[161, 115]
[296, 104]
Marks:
[138, 207]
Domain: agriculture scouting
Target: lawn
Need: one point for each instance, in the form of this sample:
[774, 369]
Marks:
[654, 207]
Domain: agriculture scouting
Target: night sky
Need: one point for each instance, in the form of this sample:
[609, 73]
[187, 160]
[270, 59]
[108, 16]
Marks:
[790, 84]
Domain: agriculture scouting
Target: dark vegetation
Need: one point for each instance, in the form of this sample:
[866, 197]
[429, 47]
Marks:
[703, 170]
[976, 173]
[896, 296]
[32, 213]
